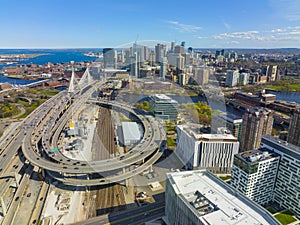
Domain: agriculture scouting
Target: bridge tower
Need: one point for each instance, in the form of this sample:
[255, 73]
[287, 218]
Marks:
[73, 80]
[86, 77]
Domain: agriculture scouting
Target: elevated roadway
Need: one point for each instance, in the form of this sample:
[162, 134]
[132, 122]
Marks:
[70, 171]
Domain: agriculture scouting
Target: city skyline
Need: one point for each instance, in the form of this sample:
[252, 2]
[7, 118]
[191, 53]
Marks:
[97, 24]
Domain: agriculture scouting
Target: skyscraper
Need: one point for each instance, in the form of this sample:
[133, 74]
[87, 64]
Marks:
[173, 46]
[179, 49]
[160, 51]
[109, 58]
[256, 122]
[163, 68]
[232, 78]
[294, 128]
[270, 71]
[202, 75]
[135, 65]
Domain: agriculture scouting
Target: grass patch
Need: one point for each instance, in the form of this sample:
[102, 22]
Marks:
[29, 108]
[199, 111]
[142, 105]
[51, 93]
[170, 128]
[8, 110]
[171, 142]
[285, 217]
[271, 210]
[124, 118]
[225, 177]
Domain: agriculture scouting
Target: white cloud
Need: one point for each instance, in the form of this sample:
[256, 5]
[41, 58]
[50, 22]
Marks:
[201, 37]
[184, 27]
[248, 35]
[290, 34]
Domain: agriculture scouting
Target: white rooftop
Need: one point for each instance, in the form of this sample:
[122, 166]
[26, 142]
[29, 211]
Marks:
[231, 207]
[131, 131]
[270, 95]
[208, 137]
[163, 97]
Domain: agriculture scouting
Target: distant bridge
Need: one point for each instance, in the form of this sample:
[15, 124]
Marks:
[35, 84]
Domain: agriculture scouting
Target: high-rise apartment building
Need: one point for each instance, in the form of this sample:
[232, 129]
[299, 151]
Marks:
[287, 186]
[294, 128]
[232, 78]
[254, 174]
[256, 122]
[270, 71]
[244, 78]
[213, 152]
[202, 75]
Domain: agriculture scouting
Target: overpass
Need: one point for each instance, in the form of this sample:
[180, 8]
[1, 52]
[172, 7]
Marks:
[70, 171]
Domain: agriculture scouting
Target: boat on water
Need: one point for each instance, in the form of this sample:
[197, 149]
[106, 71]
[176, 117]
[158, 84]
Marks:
[92, 54]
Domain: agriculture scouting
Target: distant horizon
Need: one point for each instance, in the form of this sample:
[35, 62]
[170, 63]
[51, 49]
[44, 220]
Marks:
[74, 48]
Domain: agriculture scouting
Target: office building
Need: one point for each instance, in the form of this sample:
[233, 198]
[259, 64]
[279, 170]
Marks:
[160, 52]
[179, 49]
[109, 58]
[256, 122]
[232, 78]
[135, 65]
[199, 197]
[163, 107]
[146, 53]
[287, 186]
[187, 58]
[163, 68]
[232, 122]
[172, 59]
[139, 50]
[294, 128]
[179, 64]
[173, 44]
[213, 152]
[254, 174]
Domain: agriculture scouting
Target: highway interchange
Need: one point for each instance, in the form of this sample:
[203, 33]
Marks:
[52, 120]
[24, 150]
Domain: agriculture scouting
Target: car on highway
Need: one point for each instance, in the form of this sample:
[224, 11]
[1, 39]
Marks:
[28, 195]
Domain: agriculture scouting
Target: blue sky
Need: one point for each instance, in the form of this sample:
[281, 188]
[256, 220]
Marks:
[98, 23]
